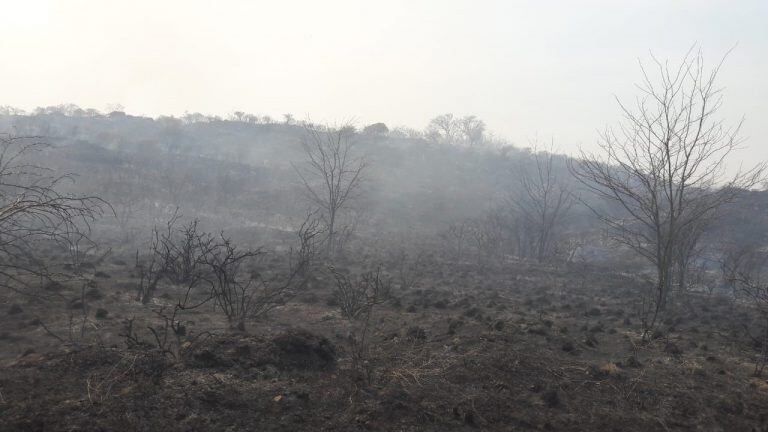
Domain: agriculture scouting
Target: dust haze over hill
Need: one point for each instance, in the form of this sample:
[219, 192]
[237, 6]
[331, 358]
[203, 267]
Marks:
[251, 271]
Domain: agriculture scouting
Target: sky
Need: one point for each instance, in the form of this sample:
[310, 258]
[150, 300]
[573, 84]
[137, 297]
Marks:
[546, 69]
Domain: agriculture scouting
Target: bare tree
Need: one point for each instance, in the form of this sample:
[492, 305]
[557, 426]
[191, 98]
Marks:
[543, 201]
[472, 130]
[663, 166]
[448, 129]
[33, 211]
[332, 176]
[443, 128]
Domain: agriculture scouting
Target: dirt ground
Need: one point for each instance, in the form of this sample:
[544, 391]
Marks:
[505, 347]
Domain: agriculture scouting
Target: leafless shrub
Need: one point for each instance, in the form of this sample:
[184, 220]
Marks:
[176, 254]
[79, 246]
[358, 296]
[172, 336]
[243, 292]
[189, 257]
[33, 211]
[151, 272]
[234, 291]
[185, 251]
[357, 299]
[309, 234]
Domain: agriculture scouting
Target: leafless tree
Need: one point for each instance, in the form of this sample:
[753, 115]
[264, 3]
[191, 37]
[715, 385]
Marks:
[448, 129]
[443, 128]
[332, 176]
[472, 130]
[663, 166]
[33, 211]
[544, 201]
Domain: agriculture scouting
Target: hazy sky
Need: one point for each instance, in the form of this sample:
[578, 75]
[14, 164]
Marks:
[546, 68]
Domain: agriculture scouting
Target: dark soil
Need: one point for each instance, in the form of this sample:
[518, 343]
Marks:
[513, 347]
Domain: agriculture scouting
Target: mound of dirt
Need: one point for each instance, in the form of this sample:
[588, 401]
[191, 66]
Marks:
[292, 350]
[300, 349]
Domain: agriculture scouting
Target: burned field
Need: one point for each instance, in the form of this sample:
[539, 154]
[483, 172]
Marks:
[203, 273]
[496, 347]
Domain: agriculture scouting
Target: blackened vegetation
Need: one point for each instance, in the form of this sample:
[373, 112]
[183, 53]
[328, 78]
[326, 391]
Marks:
[383, 279]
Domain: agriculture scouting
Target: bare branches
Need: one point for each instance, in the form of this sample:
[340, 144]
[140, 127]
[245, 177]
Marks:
[242, 291]
[234, 293]
[544, 201]
[662, 169]
[331, 176]
[309, 236]
[228, 274]
[447, 129]
[33, 210]
[357, 297]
